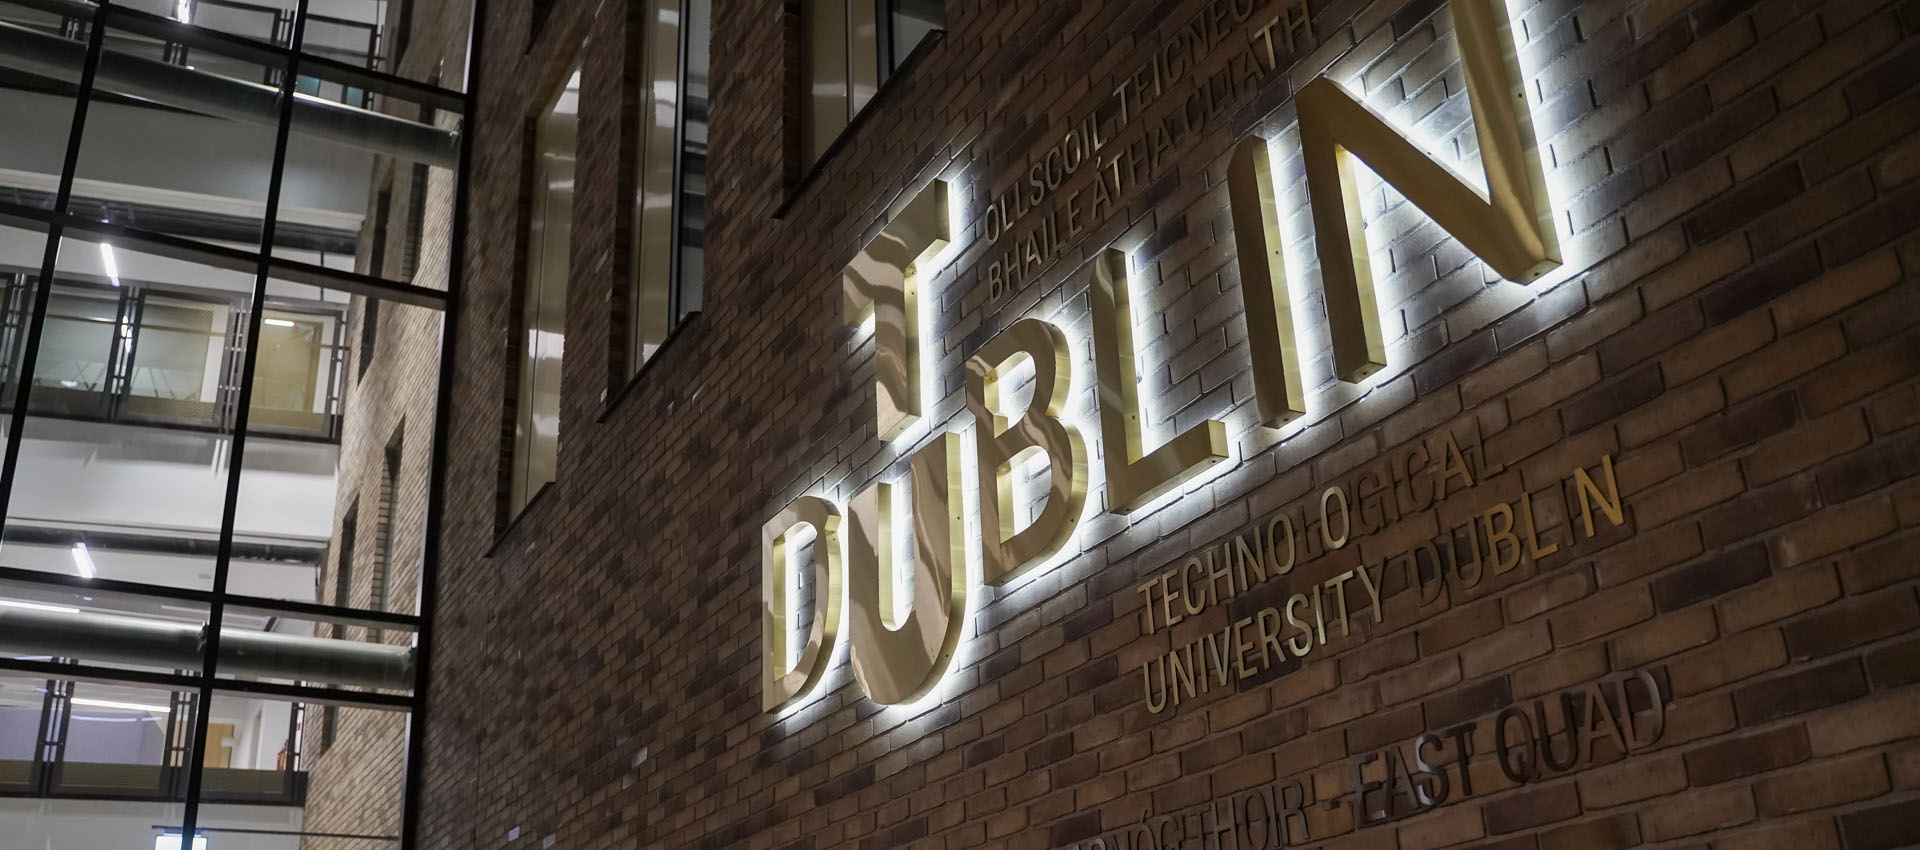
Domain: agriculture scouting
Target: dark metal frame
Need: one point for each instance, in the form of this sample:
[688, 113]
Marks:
[59, 222]
[115, 394]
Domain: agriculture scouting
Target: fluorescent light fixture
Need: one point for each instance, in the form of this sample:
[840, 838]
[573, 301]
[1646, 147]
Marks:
[182, 12]
[128, 706]
[171, 841]
[82, 560]
[106, 259]
[279, 323]
[35, 606]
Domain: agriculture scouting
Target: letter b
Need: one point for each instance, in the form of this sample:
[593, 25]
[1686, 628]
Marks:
[1006, 444]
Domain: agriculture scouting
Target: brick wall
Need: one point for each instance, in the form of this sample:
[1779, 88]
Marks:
[1733, 331]
[355, 785]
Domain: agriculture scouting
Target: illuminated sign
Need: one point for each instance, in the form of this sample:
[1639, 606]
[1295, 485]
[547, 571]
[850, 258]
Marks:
[898, 658]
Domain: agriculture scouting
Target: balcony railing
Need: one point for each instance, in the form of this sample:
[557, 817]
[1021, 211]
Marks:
[159, 356]
[73, 746]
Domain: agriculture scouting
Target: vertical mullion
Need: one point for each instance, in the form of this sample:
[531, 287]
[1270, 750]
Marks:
[679, 154]
[43, 288]
[437, 462]
[236, 455]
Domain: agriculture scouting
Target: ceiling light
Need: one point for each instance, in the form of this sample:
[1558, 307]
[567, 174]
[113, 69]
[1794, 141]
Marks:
[106, 259]
[35, 606]
[82, 560]
[126, 706]
[279, 323]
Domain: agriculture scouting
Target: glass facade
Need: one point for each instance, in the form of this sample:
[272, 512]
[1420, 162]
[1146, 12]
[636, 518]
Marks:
[226, 232]
[669, 216]
[851, 48]
[543, 298]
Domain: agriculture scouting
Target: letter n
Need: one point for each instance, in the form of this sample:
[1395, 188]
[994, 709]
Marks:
[1510, 227]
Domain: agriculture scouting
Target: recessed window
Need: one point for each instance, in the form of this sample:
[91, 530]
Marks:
[542, 326]
[849, 48]
[670, 200]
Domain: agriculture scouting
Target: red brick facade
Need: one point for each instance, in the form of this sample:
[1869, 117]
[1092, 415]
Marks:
[1736, 331]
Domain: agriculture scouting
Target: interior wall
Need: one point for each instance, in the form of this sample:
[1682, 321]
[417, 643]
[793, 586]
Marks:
[102, 825]
[204, 156]
[107, 475]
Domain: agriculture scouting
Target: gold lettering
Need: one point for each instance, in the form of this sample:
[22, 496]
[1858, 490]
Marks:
[1279, 392]
[1609, 501]
[1534, 549]
[1511, 228]
[1326, 522]
[1338, 587]
[1285, 521]
[897, 659]
[781, 684]
[883, 282]
[1497, 536]
[1302, 644]
[1136, 476]
[1004, 444]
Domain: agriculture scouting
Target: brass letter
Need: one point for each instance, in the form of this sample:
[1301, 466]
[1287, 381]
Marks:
[895, 659]
[884, 282]
[1251, 198]
[1136, 476]
[1511, 228]
[1004, 444]
[1609, 501]
[781, 685]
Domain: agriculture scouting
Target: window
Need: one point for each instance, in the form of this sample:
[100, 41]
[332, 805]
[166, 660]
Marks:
[536, 425]
[369, 331]
[377, 267]
[416, 220]
[669, 221]
[343, 566]
[377, 253]
[849, 48]
[402, 33]
[383, 528]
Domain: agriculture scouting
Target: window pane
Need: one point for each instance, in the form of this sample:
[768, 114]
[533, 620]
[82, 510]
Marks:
[184, 149]
[692, 230]
[262, 20]
[87, 824]
[125, 740]
[21, 252]
[77, 344]
[826, 102]
[39, 622]
[374, 194]
[40, 85]
[332, 448]
[670, 206]
[344, 31]
[22, 703]
[911, 22]
[129, 399]
[428, 47]
[543, 301]
[251, 754]
[266, 645]
[179, 345]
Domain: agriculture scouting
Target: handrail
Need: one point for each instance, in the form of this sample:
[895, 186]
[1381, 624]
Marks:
[264, 53]
[59, 58]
